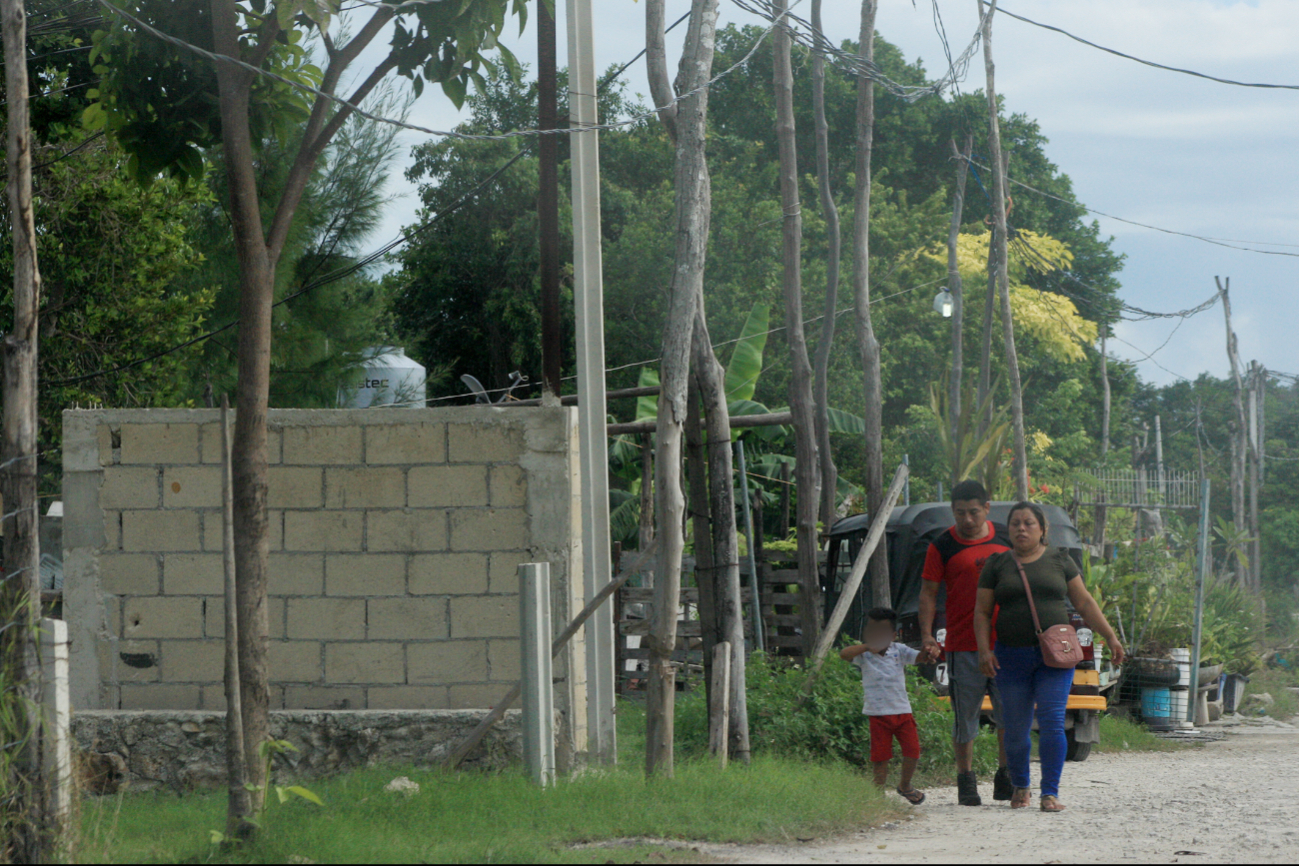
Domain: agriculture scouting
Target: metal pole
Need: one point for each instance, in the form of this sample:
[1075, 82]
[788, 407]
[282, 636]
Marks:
[906, 494]
[538, 678]
[588, 299]
[759, 639]
[1201, 570]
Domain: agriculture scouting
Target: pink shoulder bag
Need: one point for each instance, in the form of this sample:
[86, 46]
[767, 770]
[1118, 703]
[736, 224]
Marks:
[1060, 647]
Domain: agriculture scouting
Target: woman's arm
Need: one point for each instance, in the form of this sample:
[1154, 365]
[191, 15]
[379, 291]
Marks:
[1090, 611]
[984, 602]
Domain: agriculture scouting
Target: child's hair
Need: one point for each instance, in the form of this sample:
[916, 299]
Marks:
[880, 614]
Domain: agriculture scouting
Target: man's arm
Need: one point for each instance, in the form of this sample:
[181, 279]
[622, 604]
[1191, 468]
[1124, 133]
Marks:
[933, 574]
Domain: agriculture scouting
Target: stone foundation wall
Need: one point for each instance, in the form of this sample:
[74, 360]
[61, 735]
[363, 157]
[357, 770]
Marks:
[184, 751]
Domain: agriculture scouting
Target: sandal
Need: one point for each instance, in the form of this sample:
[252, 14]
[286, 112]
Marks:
[1020, 798]
[914, 797]
[1052, 804]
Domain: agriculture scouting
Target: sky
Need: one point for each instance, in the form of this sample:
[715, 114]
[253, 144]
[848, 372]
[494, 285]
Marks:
[1147, 145]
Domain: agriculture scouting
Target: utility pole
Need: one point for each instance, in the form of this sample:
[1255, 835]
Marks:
[1255, 469]
[1240, 448]
[962, 158]
[588, 297]
[548, 199]
[31, 825]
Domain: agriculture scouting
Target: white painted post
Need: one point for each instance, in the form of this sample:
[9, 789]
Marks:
[538, 677]
[719, 733]
[56, 717]
[588, 295]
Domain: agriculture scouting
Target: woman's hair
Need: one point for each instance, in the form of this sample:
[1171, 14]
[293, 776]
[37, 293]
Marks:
[1037, 512]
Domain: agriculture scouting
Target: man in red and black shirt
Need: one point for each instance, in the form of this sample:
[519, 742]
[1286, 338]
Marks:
[956, 560]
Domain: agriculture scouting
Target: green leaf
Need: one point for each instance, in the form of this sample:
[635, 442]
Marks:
[647, 407]
[309, 796]
[746, 360]
[846, 422]
[455, 89]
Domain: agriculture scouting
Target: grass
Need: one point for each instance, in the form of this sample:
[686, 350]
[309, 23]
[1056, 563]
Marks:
[482, 818]
[1276, 682]
[1124, 735]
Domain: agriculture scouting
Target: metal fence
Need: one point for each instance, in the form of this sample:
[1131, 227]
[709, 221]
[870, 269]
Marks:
[1141, 488]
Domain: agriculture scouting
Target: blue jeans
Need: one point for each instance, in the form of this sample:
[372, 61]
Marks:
[1025, 682]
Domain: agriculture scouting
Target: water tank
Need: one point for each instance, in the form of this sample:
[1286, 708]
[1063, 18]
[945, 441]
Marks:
[385, 377]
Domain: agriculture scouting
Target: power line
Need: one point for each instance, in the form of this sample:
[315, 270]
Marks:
[1149, 62]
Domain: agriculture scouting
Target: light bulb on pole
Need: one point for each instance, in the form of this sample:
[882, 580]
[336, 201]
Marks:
[944, 303]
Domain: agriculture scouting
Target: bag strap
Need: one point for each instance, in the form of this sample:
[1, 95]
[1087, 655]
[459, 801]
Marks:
[1028, 591]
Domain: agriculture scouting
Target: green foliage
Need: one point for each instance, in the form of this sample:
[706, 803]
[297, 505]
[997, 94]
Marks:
[1279, 682]
[1119, 734]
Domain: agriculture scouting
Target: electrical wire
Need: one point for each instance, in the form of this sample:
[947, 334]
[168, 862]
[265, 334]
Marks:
[1149, 62]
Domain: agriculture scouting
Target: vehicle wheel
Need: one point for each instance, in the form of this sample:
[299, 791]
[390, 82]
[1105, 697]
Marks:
[1076, 751]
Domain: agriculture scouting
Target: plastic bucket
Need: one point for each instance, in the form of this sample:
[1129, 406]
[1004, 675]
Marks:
[1156, 707]
[1179, 699]
[1183, 659]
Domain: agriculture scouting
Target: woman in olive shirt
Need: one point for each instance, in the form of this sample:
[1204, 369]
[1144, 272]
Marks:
[1024, 680]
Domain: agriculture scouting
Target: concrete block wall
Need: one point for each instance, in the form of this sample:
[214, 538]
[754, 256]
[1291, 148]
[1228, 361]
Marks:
[395, 537]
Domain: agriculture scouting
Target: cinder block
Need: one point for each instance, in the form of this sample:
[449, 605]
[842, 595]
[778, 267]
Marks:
[489, 529]
[485, 616]
[112, 537]
[129, 574]
[160, 443]
[448, 574]
[295, 487]
[295, 661]
[161, 617]
[504, 660]
[191, 487]
[104, 439]
[406, 443]
[193, 661]
[406, 698]
[316, 446]
[494, 442]
[324, 698]
[158, 530]
[503, 573]
[446, 662]
[448, 486]
[323, 531]
[214, 530]
[368, 574]
[326, 618]
[406, 531]
[297, 574]
[210, 439]
[369, 487]
[160, 696]
[509, 487]
[478, 697]
[129, 487]
[349, 663]
[193, 574]
[129, 661]
[215, 618]
[213, 698]
[406, 618]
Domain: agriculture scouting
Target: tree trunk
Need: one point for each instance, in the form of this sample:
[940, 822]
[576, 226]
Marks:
[807, 465]
[985, 342]
[693, 200]
[705, 574]
[30, 821]
[1239, 453]
[881, 592]
[1000, 239]
[248, 454]
[834, 243]
[954, 286]
[646, 532]
[238, 826]
[728, 610]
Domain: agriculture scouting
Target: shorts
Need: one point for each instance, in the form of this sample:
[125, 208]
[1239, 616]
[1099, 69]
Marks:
[967, 685]
[885, 728]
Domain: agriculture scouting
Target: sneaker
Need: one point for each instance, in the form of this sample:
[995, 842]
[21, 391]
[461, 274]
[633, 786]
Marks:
[1002, 787]
[967, 789]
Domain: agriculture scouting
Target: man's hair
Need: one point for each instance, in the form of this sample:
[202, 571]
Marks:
[967, 490]
[881, 614]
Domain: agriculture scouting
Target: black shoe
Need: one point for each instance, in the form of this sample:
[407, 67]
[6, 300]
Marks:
[1002, 788]
[967, 789]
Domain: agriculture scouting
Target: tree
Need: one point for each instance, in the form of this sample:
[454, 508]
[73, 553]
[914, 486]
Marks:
[166, 103]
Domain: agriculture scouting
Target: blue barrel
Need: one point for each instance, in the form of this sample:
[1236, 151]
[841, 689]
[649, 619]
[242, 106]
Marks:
[1156, 706]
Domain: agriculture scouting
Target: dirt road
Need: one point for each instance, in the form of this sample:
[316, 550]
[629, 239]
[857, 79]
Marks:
[1232, 801]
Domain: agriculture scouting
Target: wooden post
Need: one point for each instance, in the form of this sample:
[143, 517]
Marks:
[785, 489]
[962, 158]
[646, 533]
[1255, 461]
[705, 573]
[548, 199]
[1240, 447]
[1101, 512]
[30, 828]
[719, 712]
[238, 805]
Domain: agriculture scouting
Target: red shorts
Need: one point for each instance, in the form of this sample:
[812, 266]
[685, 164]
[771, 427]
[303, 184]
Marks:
[885, 728]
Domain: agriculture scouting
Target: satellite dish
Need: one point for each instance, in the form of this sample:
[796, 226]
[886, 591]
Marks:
[480, 393]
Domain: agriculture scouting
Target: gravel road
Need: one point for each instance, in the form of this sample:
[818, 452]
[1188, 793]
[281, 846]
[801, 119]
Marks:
[1231, 801]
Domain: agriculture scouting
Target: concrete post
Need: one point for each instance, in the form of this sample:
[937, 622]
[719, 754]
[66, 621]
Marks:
[538, 677]
[588, 297]
[56, 746]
